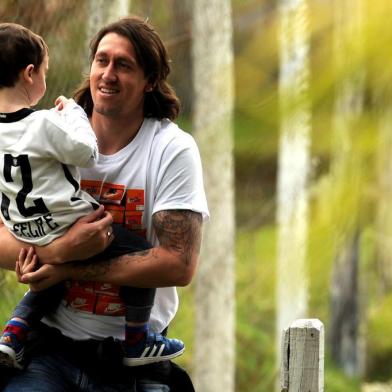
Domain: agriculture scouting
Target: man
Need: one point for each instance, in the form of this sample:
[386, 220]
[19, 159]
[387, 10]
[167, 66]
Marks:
[153, 170]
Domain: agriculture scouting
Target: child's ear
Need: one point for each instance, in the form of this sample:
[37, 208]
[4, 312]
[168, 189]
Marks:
[28, 73]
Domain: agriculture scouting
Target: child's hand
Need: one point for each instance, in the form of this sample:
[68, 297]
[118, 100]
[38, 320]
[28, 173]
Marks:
[27, 262]
[60, 102]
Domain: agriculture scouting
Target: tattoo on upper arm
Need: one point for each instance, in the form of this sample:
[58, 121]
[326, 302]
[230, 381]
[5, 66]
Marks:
[179, 230]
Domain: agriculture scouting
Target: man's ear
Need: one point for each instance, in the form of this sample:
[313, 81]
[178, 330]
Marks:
[27, 73]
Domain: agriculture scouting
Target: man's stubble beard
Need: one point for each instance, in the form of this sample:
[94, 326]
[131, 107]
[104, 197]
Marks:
[107, 112]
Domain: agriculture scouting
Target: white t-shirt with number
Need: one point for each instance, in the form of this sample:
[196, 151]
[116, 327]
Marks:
[159, 170]
[39, 180]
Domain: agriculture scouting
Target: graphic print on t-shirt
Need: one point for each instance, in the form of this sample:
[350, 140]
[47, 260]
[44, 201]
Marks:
[19, 166]
[126, 207]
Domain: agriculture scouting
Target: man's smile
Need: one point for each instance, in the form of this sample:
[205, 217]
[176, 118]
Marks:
[108, 90]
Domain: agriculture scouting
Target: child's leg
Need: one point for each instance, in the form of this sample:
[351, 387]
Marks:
[139, 302]
[30, 310]
[141, 345]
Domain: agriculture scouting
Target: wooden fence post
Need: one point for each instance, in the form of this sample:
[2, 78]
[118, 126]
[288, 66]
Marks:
[302, 364]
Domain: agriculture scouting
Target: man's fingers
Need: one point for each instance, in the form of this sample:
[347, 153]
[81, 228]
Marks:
[22, 255]
[27, 260]
[31, 266]
[26, 256]
[17, 270]
[32, 277]
[30, 255]
[106, 222]
[93, 216]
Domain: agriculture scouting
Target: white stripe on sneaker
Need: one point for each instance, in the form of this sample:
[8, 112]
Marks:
[161, 350]
[152, 352]
[145, 352]
[19, 354]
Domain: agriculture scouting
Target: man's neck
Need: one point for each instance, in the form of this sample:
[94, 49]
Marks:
[13, 99]
[113, 134]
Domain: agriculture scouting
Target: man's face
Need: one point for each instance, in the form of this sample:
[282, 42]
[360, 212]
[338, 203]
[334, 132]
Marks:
[117, 81]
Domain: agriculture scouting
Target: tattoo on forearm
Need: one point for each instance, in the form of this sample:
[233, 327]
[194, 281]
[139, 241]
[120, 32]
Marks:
[96, 268]
[91, 270]
[179, 230]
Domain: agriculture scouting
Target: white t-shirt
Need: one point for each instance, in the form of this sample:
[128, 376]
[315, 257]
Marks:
[39, 181]
[159, 170]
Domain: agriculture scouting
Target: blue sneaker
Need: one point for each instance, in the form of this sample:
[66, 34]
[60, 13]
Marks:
[154, 348]
[11, 351]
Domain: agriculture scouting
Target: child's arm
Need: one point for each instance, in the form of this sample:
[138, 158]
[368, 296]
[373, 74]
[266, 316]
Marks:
[67, 136]
[61, 102]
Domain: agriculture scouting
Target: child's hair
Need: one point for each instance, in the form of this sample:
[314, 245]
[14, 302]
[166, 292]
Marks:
[19, 47]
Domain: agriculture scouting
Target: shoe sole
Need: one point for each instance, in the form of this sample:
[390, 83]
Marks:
[148, 360]
[7, 358]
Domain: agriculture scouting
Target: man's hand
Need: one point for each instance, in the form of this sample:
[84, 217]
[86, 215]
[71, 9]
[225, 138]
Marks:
[38, 279]
[46, 276]
[87, 237]
[26, 263]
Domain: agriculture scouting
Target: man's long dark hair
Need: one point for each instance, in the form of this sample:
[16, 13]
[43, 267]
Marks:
[151, 54]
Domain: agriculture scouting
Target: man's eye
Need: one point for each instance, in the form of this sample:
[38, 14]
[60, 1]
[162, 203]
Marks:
[125, 65]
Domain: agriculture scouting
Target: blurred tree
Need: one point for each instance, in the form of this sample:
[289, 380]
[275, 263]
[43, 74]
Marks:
[34, 15]
[180, 52]
[213, 89]
[344, 338]
[384, 197]
[381, 36]
[294, 164]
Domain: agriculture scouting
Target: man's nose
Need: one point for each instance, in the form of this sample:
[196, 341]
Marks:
[109, 73]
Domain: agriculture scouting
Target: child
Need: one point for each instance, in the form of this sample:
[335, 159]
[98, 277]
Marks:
[41, 196]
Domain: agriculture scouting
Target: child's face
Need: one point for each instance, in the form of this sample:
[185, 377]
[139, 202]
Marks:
[38, 88]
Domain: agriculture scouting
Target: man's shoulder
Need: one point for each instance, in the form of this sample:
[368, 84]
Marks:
[168, 132]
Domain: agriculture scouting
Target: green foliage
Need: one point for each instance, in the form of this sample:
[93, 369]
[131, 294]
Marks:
[182, 326]
[11, 293]
[255, 273]
[380, 339]
[336, 381]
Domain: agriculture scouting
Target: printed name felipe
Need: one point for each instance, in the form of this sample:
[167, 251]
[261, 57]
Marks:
[36, 227]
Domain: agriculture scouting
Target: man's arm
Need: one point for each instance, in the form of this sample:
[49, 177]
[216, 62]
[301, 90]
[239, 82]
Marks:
[10, 248]
[172, 263]
[87, 237]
